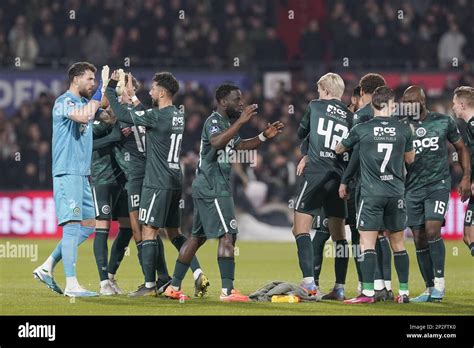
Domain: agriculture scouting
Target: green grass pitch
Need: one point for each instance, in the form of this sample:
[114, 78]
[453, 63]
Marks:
[257, 264]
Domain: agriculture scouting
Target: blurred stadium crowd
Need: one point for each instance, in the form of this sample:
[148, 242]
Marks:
[211, 33]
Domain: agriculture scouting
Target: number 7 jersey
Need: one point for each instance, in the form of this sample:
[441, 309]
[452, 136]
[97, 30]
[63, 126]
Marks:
[164, 133]
[327, 122]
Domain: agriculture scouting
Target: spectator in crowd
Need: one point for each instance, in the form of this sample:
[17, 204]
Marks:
[23, 45]
[450, 47]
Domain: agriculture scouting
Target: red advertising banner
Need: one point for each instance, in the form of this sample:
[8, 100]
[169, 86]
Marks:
[31, 214]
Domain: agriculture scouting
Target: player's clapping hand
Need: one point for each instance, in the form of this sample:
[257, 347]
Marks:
[273, 129]
[343, 192]
[301, 165]
[464, 189]
[115, 75]
[105, 77]
[248, 112]
[127, 131]
[129, 86]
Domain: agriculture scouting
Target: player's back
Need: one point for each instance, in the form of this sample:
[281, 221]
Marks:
[383, 143]
[330, 122]
[163, 144]
[72, 141]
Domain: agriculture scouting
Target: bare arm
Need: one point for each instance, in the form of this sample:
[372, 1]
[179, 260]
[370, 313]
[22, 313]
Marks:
[341, 149]
[85, 113]
[219, 141]
[270, 132]
[410, 157]
[465, 161]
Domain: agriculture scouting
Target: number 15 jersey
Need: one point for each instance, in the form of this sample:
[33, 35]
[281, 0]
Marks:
[327, 122]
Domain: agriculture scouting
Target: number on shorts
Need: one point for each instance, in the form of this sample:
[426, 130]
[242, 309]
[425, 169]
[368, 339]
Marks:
[135, 200]
[142, 214]
[440, 207]
[468, 216]
[380, 148]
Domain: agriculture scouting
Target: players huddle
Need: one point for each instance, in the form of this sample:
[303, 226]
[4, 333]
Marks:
[374, 171]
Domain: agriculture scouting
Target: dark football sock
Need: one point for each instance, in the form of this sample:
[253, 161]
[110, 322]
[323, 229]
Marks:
[101, 251]
[119, 246]
[305, 254]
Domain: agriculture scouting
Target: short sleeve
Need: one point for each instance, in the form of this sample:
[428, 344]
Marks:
[213, 126]
[146, 118]
[453, 131]
[63, 107]
[352, 138]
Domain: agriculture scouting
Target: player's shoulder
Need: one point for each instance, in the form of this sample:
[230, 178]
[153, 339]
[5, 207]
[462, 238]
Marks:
[470, 124]
[364, 113]
[213, 118]
[435, 116]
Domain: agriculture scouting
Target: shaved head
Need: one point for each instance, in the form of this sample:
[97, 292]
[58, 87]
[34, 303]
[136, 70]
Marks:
[415, 99]
[414, 94]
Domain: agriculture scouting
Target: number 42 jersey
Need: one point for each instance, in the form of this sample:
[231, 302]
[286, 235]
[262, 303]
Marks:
[327, 122]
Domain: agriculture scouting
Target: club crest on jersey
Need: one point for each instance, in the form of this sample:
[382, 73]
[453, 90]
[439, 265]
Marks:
[76, 211]
[335, 111]
[233, 224]
[420, 132]
[139, 113]
[106, 209]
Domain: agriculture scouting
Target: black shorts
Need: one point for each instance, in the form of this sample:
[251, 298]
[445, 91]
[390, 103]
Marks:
[110, 201]
[160, 208]
[470, 209]
[321, 191]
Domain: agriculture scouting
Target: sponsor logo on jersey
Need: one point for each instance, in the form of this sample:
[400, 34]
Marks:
[384, 131]
[178, 121]
[426, 143]
[421, 132]
[334, 110]
[214, 129]
[106, 209]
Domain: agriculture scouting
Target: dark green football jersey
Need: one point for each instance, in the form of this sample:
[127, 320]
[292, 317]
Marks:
[327, 122]
[164, 133]
[430, 138]
[130, 151]
[104, 169]
[467, 132]
[383, 142]
[213, 171]
[364, 114]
